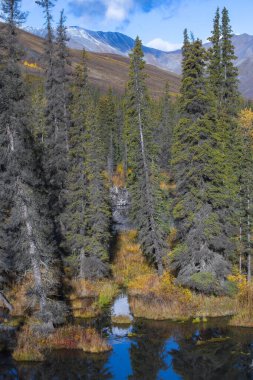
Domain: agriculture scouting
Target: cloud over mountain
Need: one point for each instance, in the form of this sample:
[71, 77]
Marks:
[116, 10]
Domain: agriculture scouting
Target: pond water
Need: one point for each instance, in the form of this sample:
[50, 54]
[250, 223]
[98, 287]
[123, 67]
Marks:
[148, 350]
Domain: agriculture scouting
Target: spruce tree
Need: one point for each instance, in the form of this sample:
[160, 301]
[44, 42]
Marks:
[108, 123]
[29, 242]
[165, 131]
[142, 161]
[202, 257]
[57, 119]
[223, 78]
[215, 62]
[229, 83]
[87, 215]
[98, 213]
[75, 212]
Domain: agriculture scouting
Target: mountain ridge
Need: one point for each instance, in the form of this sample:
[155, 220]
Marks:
[121, 44]
[106, 70]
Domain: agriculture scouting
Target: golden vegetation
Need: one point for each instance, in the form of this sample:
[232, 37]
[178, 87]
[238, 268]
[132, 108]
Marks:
[18, 296]
[118, 178]
[32, 65]
[32, 347]
[129, 262]
[77, 337]
[121, 320]
[88, 298]
[28, 349]
[244, 307]
[212, 306]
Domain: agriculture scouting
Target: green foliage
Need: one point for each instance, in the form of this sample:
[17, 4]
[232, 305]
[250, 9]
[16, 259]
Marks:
[202, 174]
[142, 160]
[203, 281]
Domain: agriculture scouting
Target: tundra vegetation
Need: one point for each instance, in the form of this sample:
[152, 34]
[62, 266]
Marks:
[186, 163]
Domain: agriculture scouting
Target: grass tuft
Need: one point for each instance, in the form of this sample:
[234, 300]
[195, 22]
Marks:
[121, 320]
[77, 337]
[28, 349]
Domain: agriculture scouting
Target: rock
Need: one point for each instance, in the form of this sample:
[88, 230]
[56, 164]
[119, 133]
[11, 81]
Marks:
[120, 200]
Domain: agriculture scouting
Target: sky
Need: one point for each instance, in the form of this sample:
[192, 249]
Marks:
[159, 23]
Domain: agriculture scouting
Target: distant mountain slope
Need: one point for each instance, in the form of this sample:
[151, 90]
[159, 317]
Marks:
[118, 43]
[105, 70]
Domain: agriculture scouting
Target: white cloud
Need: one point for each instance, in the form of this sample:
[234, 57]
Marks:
[118, 10]
[160, 44]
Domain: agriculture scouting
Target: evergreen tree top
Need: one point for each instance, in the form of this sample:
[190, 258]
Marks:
[11, 12]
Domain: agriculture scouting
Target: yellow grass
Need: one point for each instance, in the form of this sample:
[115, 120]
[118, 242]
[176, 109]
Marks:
[129, 262]
[84, 288]
[212, 306]
[159, 309]
[121, 320]
[31, 346]
[28, 348]
[77, 337]
[88, 298]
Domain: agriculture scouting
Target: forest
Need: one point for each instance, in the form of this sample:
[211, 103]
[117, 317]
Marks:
[179, 166]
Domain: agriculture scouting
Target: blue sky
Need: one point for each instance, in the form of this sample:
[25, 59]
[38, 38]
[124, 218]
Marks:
[159, 23]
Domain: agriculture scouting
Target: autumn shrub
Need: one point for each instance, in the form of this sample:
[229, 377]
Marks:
[18, 295]
[77, 337]
[155, 297]
[244, 315]
[28, 347]
[85, 308]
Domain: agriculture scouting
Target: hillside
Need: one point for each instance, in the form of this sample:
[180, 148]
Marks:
[120, 44]
[105, 70]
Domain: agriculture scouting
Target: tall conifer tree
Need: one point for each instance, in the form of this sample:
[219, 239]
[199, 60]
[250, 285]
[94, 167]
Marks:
[57, 121]
[29, 229]
[142, 159]
[202, 258]
[87, 215]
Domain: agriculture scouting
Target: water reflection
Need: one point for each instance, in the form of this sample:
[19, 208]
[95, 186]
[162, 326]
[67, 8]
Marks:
[150, 351]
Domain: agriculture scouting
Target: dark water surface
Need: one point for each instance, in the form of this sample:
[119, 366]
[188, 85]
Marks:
[149, 350]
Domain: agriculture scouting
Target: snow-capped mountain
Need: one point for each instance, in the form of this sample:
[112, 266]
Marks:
[118, 43]
[114, 43]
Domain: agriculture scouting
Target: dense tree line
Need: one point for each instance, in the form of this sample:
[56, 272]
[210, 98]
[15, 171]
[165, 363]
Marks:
[187, 165]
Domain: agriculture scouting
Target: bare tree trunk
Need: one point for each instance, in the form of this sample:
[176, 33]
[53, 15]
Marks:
[6, 303]
[34, 258]
[30, 234]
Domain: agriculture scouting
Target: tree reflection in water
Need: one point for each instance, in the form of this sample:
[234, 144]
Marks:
[154, 351]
